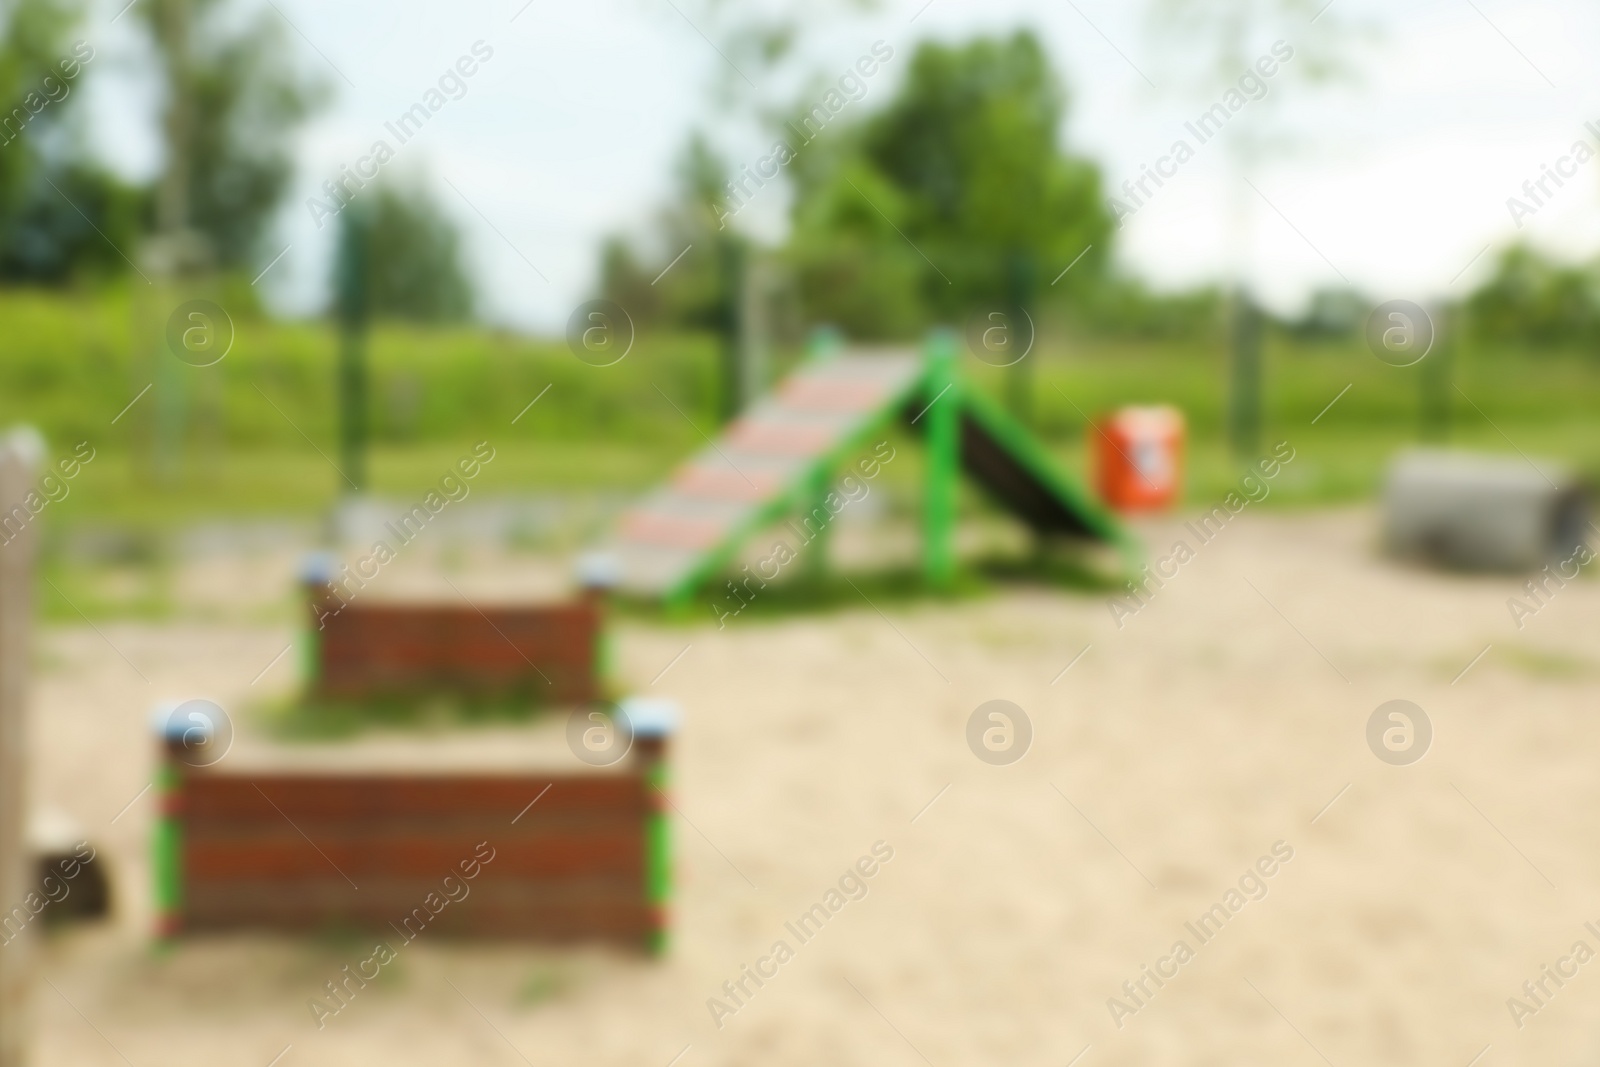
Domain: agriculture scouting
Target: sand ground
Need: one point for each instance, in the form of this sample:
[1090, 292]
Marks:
[1227, 716]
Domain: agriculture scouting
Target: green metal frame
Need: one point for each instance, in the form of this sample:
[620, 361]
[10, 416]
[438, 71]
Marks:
[1042, 466]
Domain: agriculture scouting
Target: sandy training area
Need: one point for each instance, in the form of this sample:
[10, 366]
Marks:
[1211, 752]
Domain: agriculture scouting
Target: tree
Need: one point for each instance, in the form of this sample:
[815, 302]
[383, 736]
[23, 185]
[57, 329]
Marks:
[34, 37]
[71, 218]
[972, 142]
[956, 197]
[852, 268]
[52, 200]
[233, 98]
[414, 263]
[1536, 301]
[690, 295]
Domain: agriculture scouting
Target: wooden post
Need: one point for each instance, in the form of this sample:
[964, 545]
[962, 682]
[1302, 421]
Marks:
[19, 456]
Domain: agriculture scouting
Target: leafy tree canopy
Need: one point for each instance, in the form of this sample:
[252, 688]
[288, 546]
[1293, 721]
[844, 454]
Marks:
[413, 262]
[234, 100]
[956, 195]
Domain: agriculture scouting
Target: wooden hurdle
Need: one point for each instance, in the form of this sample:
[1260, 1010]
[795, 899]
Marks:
[551, 654]
[571, 856]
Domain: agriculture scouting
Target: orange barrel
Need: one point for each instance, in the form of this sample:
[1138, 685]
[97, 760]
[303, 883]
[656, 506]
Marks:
[1138, 457]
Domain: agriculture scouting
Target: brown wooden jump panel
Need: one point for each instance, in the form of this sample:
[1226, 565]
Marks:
[302, 853]
[549, 653]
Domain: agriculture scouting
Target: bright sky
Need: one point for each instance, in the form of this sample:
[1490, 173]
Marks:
[569, 131]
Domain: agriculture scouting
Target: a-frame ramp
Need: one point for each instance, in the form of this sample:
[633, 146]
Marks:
[780, 456]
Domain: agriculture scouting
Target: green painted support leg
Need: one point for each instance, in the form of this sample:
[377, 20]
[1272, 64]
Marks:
[941, 420]
[653, 723]
[816, 550]
[166, 853]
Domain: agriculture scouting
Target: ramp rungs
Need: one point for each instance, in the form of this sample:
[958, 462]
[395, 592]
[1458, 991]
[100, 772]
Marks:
[782, 440]
[726, 484]
[814, 394]
[673, 530]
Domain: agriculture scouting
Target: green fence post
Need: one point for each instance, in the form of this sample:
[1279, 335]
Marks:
[1244, 402]
[1434, 378]
[353, 293]
[942, 419]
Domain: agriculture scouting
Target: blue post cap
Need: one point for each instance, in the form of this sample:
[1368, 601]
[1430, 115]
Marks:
[598, 570]
[318, 568]
[162, 720]
[197, 732]
[650, 716]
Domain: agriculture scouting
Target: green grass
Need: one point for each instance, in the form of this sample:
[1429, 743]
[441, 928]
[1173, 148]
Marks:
[324, 719]
[255, 435]
[1542, 664]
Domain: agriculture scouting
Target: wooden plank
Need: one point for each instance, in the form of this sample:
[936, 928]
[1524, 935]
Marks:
[572, 867]
[784, 439]
[678, 531]
[570, 920]
[394, 899]
[615, 850]
[810, 425]
[20, 533]
[822, 394]
[272, 797]
[723, 483]
[369, 649]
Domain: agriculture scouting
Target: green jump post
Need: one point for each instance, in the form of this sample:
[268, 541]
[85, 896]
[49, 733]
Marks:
[941, 422]
[166, 843]
[652, 722]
